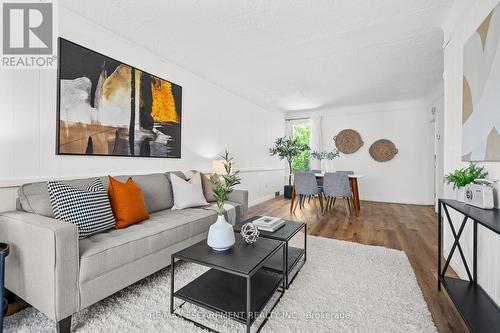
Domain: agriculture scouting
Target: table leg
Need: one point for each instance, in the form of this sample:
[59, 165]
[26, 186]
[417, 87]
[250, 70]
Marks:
[4, 252]
[440, 226]
[249, 303]
[285, 265]
[1, 291]
[305, 242]
[292, 199]
[474, 267]
[355, 195]
[172, 264]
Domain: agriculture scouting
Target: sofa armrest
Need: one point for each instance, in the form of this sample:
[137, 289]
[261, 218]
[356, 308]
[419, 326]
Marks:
[43, 264]
[241, 197]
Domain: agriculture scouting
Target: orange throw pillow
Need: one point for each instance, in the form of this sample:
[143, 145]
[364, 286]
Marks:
[127, 202]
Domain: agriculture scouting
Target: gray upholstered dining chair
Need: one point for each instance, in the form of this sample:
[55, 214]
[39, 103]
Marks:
[337, 185]
[318, 180]
[306, 187]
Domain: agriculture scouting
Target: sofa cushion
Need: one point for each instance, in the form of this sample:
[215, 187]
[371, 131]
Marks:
[106, 251]
[207, 185]
[88, 208]
[127, 200]
[171, 193]
[187, 193]
[155, 187]
[34, 197]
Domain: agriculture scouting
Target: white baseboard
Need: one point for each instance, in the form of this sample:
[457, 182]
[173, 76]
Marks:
[260, 200]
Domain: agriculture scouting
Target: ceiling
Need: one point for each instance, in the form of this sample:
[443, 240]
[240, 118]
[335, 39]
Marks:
[291, 55]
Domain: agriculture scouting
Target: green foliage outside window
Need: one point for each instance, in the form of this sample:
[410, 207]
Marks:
[302, 133]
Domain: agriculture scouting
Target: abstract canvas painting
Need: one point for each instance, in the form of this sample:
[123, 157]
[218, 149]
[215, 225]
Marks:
[481, 92]
[109, 108]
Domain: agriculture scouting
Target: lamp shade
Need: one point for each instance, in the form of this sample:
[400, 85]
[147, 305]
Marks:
[218, 167]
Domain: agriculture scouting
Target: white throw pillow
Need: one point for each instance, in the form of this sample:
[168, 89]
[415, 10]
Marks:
[187, 193]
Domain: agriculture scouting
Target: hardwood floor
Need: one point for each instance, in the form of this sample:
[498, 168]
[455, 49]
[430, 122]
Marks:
[410, 228]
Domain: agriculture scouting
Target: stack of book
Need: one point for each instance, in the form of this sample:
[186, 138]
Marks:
[269, 223]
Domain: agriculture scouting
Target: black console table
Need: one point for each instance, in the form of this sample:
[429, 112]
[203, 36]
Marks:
[4, 252]
[477, 309]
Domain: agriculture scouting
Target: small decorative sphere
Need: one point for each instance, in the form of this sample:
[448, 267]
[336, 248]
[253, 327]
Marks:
[249, 233]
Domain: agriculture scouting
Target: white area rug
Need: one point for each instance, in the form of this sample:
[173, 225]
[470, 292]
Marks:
[343, 287]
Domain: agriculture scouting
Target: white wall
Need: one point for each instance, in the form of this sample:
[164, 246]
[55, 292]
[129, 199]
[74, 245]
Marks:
[408, 178]
[470, 17]
[439, 147]
[212, 120]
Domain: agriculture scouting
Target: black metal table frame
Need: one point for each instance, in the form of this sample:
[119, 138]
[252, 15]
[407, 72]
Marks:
[4, 252]
[456, 244]
[303, 254]
[478, 310]
[248, 277]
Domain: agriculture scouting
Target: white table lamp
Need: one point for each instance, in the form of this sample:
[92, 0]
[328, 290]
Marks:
[218, 167]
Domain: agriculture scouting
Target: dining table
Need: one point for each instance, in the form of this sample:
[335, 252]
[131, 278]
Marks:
[353, 179]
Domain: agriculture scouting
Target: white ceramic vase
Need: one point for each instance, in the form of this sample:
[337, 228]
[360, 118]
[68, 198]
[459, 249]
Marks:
[460, 194]
[221, 235]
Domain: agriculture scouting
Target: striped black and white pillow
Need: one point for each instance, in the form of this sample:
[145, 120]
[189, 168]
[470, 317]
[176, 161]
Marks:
[88, 208]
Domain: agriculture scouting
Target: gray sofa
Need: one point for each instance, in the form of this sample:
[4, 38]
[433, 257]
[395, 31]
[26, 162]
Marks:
[59, 275]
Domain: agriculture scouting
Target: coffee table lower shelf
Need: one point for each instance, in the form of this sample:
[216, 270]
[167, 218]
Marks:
[226, 293]
[293, 256]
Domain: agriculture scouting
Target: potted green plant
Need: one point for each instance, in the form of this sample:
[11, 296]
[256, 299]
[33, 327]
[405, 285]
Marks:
[221, 234]
[287, 149]
[325, 157]
[464, 176]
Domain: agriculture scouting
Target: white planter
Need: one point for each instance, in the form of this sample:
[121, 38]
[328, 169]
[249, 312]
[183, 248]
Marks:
[460, 194]
[221, 235]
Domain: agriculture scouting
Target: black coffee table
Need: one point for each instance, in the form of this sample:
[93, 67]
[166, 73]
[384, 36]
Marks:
[236, 285]
[293, 254]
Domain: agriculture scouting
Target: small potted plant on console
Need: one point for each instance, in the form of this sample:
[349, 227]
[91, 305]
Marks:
[464, 176]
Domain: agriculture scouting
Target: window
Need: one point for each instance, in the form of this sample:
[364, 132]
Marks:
[301, 130]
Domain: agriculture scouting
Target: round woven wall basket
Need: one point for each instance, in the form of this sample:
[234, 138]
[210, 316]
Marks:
[348, 141]
[383, 150]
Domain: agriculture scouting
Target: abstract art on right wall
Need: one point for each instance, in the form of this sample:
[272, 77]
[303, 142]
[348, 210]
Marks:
[481, 92]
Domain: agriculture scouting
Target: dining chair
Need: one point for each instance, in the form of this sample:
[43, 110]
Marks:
[306, 187]
[337, 185]
[318, 180]
[347, 173]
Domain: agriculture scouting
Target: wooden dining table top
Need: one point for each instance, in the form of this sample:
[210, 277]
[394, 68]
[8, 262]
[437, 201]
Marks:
[355, 175]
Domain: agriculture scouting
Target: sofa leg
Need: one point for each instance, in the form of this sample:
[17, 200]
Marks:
[64, 326]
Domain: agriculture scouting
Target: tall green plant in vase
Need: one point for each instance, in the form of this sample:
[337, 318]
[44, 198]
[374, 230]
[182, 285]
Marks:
[224, 184]
[287, 149]
[221, 234]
